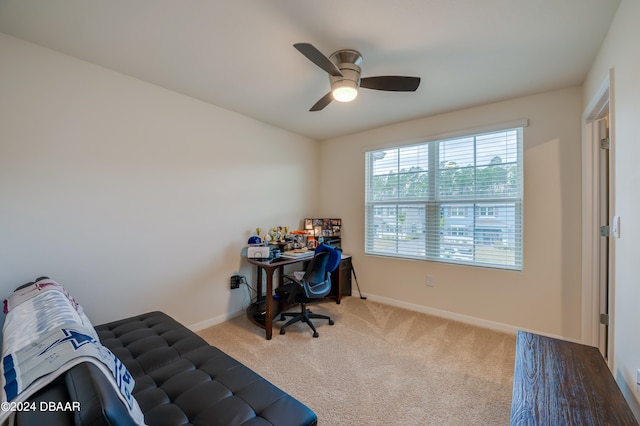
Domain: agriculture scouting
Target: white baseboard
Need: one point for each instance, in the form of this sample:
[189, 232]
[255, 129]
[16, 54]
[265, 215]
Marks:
[446, 314]
[214, 321]
[492, 325]
[479, 322]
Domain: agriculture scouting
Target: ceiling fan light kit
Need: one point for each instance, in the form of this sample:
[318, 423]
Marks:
[343, 67]
[344, 91]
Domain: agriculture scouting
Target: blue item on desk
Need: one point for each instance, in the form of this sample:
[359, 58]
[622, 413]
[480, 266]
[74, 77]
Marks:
[254, 239]
[334, 256]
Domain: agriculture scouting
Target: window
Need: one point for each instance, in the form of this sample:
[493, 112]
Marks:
[455, 200]
[456, 211]
[457, 231]
[487, 211]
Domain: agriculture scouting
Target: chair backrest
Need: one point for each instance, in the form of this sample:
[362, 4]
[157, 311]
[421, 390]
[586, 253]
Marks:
[316, 281]
[335, 255]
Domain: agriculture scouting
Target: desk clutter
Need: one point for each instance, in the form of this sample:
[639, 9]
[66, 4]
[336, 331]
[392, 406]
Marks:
[279, 241]
[279, 248]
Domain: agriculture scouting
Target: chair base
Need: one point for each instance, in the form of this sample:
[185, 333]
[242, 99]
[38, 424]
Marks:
[305, 316]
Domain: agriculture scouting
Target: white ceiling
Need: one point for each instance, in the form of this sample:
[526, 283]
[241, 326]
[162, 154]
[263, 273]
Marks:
[238, 54]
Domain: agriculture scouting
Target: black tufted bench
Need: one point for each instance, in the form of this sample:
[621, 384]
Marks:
[180, 380]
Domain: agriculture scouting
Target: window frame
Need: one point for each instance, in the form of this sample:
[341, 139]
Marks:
[477, 207]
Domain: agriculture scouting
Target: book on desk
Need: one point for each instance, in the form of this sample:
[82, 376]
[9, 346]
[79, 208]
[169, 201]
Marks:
[298, 254]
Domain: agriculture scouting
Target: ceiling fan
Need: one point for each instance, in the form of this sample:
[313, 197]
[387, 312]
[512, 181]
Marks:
[344, 70]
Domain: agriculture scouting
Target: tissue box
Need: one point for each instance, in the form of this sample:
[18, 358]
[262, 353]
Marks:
[258, 252]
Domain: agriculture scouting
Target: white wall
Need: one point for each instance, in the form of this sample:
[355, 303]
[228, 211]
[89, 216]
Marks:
[133, 197]
[544, 297]
[620, 53]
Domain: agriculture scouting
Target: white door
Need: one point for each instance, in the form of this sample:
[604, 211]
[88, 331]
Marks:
[602, 130]
[598, 256]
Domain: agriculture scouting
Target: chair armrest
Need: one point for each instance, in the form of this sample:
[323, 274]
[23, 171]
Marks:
[289, 290]
[98, 400]
[89, 398]
[55, 392]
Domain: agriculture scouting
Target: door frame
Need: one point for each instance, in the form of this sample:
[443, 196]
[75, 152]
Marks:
[599, 104]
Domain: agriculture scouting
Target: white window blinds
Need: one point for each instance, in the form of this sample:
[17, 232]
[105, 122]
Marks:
[457, 200]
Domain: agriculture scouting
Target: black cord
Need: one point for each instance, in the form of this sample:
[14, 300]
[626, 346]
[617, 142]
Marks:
[250, 290]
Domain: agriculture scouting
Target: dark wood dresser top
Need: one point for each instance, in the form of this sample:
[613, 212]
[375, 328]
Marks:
[557, 382]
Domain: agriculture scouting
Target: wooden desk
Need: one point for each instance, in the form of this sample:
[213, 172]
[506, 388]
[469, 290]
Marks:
[254, 310]
[267, 305]
[563, 383]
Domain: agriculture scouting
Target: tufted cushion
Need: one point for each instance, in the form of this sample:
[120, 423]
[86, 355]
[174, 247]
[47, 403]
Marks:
[181, 379]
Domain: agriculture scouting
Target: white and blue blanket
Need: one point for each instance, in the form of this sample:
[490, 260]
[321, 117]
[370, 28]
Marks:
[46, 333]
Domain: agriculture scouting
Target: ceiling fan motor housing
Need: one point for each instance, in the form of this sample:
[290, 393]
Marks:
[348, 61]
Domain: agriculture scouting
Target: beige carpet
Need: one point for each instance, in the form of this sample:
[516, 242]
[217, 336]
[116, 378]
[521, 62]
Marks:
[382, 365]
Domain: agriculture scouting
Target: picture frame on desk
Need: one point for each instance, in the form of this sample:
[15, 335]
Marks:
[312, 243]
[324, 228]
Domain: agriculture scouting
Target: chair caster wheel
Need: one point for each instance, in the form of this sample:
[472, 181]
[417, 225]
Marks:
[315, 334]
[331, 322]
[282, 318]
[282, 331]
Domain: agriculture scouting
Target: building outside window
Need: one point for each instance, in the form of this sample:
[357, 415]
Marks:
[457, 211]
[457, 231]
[487, 211]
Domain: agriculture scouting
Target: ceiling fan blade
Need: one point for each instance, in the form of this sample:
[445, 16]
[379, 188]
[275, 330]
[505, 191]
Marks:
[323, 102]
[315, 56]
[392, 83]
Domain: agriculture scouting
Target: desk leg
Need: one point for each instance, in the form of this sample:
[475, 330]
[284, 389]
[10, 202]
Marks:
[280, 270]
[339, 274]
[258, 283]
[268, 320]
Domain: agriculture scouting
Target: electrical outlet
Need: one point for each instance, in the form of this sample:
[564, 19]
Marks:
[235, 281]
[430, 280]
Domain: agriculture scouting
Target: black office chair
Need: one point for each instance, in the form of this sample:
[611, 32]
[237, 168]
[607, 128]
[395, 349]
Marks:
[314, 284]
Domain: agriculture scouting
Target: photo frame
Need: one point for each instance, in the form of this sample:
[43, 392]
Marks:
[323, 227]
